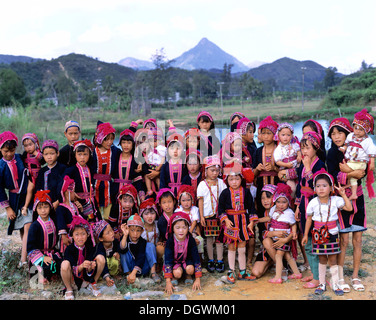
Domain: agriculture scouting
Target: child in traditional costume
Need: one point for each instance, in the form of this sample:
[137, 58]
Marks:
[32, 156]
[209, 143]
[42, 239]
[14, 182]
[236, 209]
[109, 247]
[282, 218]
[314, 126]
[186, 201]
[181, 255]
[323, 211]
[246, 128]
[126, 205]
[50, 177]
[193, 162]
[234, 120]
[137, 257]
[105, 155]
[174, 169]
[72, 132]
[287, 153]
[82, 176]
[360, 151]
[81, 264]
[208, 192]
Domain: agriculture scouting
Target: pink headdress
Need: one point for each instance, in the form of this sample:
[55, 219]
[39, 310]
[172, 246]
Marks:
[78, 221]
[86, 143]
[33, 137]
[162, 191]
[187, 189]
[98, 228]
[237, 114]
[148, 204]
[324, 172]
[7, 136]
[313, 137]
[211, 161]
[242, 125]
[42, 196]
[151, 120]
[232, 169]
[127, 132]
[204, 113]
[103, 130]
[192, 132]
[175, 137]
[155, 133]
[283, 190]
[317, 125]
[68, 184]
[340, 122]
[365, 120]
[130, 190]
[177, 216]
[269, 188]
[270, 124]
[50, 144]
[230, 138]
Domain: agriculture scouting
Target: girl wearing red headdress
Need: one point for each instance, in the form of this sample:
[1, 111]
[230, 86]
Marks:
[209, 143]
[104, 159]
[42, 239]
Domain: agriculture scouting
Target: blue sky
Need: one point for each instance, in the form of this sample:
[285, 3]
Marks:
[332, 33]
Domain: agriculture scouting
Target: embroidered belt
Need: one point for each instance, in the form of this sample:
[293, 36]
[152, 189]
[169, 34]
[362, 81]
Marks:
[330, 224]
[235, 212]
[102, 177]
[307, 191]
[289, 159]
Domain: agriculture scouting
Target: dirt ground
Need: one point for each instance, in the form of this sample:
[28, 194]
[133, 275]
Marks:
[260, 289]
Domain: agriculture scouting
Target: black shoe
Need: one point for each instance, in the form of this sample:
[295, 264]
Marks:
[220, 266]
[211, 266]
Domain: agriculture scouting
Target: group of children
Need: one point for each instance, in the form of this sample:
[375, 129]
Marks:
[160, 203]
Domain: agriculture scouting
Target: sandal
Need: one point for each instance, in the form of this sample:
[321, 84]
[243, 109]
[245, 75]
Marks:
[295, 276]
[276, 281]
[357, 286]
[310, 285]
[320, 289]
[337, 290]
[156, 278]
[69, 295]
[92, 287]
[343, 285]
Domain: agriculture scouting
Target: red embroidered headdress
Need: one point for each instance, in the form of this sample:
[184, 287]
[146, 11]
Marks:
[269, 123]
[42, 196]
[103, 130]
[187, 189]
[148, 204]
[130, 190]
[365, 120]
[87, 143]
[340, 122]
[177, 216]
[7, 136]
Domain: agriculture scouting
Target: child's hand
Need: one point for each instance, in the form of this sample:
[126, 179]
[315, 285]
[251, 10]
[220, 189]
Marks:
[294, 235]
[24, 211]
[341, 190]
[304, 241]
[260, 167]
[297, 214]
[109, 282]
[131, 278]
[116, 255]
[170, 123]
[47, 260]
[169, 287]
[139, 168]
[229, 224]
[196, 284]
[250, 226]
[289, 165]
[10, 213]
[125, 229]
[86, 264]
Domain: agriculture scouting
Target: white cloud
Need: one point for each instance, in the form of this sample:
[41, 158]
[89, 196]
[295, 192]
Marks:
[184, 23]
[137, 30]
[96, 34]
[240, 18]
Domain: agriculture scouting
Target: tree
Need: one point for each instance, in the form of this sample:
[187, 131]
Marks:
[226, 78]
[12, 88]
[330, 77]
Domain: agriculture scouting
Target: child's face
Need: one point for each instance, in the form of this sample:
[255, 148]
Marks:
[359, 132]
[236, 147]
[285, 136]
[180, 230]
[308, 129]
[72, 134]
[259, 136]
[108, 141]
[308, 150]
[281, 204]
[29, 146]
[167, 204]
[126, 146]
[175, 151]
[135, 233]
[249, 135]
[43, 210]
[338, 137]
[205, 126]
[267, 136]
[322, 188]
[83, 157]
[266, 202]
[79, 236]
[212, 172]
[234, 181]
[108, 234]
[186, 201]
[50, 155]
[8, 154]
[192, 142]
[193, 165]
[149, 216]
[126, 202]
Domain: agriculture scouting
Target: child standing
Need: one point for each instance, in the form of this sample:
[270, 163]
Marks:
[126, 205]
[80, 263]
[174, 169]
[282, 218]
[236, 210]
[72, 132]
[323, 211]
[105, 155]
[208, 192]
[82, 176]
[360, 150]
[32, 156]
[193, 162]
[209, 143]
[51, 175]
[186, 201]
[42, 238]
[137, 257]
[287, 153]
[13, 177]
[181, 255]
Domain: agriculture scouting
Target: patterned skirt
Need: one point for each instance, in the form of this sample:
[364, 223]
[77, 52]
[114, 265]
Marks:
[329, 248]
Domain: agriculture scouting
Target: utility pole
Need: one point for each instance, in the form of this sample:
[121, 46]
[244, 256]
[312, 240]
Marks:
[303, 68]
[220, 93]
